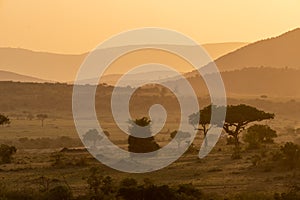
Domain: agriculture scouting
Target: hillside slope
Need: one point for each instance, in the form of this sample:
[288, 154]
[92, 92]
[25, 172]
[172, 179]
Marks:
[10, 76]
[282, 51]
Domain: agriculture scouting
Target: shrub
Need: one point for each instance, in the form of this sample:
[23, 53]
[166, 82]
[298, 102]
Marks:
[188, 191]
[6, 153]
[258, 134]
[141, 145]
[100, 187]
[293, 193]
[59, 193]
[252, 196]
[158, 193]
[128, 182]
[291, 153]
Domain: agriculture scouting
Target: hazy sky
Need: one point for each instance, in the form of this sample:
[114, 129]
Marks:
[77, 26]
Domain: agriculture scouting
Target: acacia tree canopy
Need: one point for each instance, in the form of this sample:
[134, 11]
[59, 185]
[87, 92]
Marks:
[239, 116]
[203, 118]
[42, 117]
[4, 120]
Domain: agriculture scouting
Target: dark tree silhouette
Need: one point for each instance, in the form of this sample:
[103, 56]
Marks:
[42, 117]
[92, 136]
[141, 145]
[202, 120]
[6, 153]
[59, 192]
[4, 120]
[239, 116]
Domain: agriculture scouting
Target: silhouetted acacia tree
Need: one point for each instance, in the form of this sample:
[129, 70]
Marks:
[239, 116]
[202, 120]
[141, 145]
[42, 117]
[4, 120]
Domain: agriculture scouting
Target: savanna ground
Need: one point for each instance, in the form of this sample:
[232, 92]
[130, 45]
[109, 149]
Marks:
[39, 155]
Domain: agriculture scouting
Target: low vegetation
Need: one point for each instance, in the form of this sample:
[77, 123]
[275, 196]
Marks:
[51, 162]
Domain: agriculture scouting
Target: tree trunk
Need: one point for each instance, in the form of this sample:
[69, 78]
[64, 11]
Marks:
[236, 140]
[205, 133]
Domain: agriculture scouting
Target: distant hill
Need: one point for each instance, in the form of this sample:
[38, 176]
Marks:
[44, 65]
[275, 82]
[278, 52]
[132, 80]
[217, 50]
[247, 81]
[63, 68]
[283, 82]
[282, 51]
[10, 76]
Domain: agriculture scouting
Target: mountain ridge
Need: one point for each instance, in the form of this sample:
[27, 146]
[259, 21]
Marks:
[16, 77]
[280, 51]
[49, 66]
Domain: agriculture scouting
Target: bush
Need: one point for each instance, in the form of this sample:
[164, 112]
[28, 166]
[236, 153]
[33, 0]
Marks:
[291, 154]
[59, 193]
[128, 182]
[130, 190]
[292, 194]
[100, 187]
[6, 153]
[158, 193]
[188, 191]
[17, 195]
[252, 196]
[258, 134]
[141, 145]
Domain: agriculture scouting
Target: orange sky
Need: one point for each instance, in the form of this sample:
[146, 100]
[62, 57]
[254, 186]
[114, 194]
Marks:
[76, 26]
